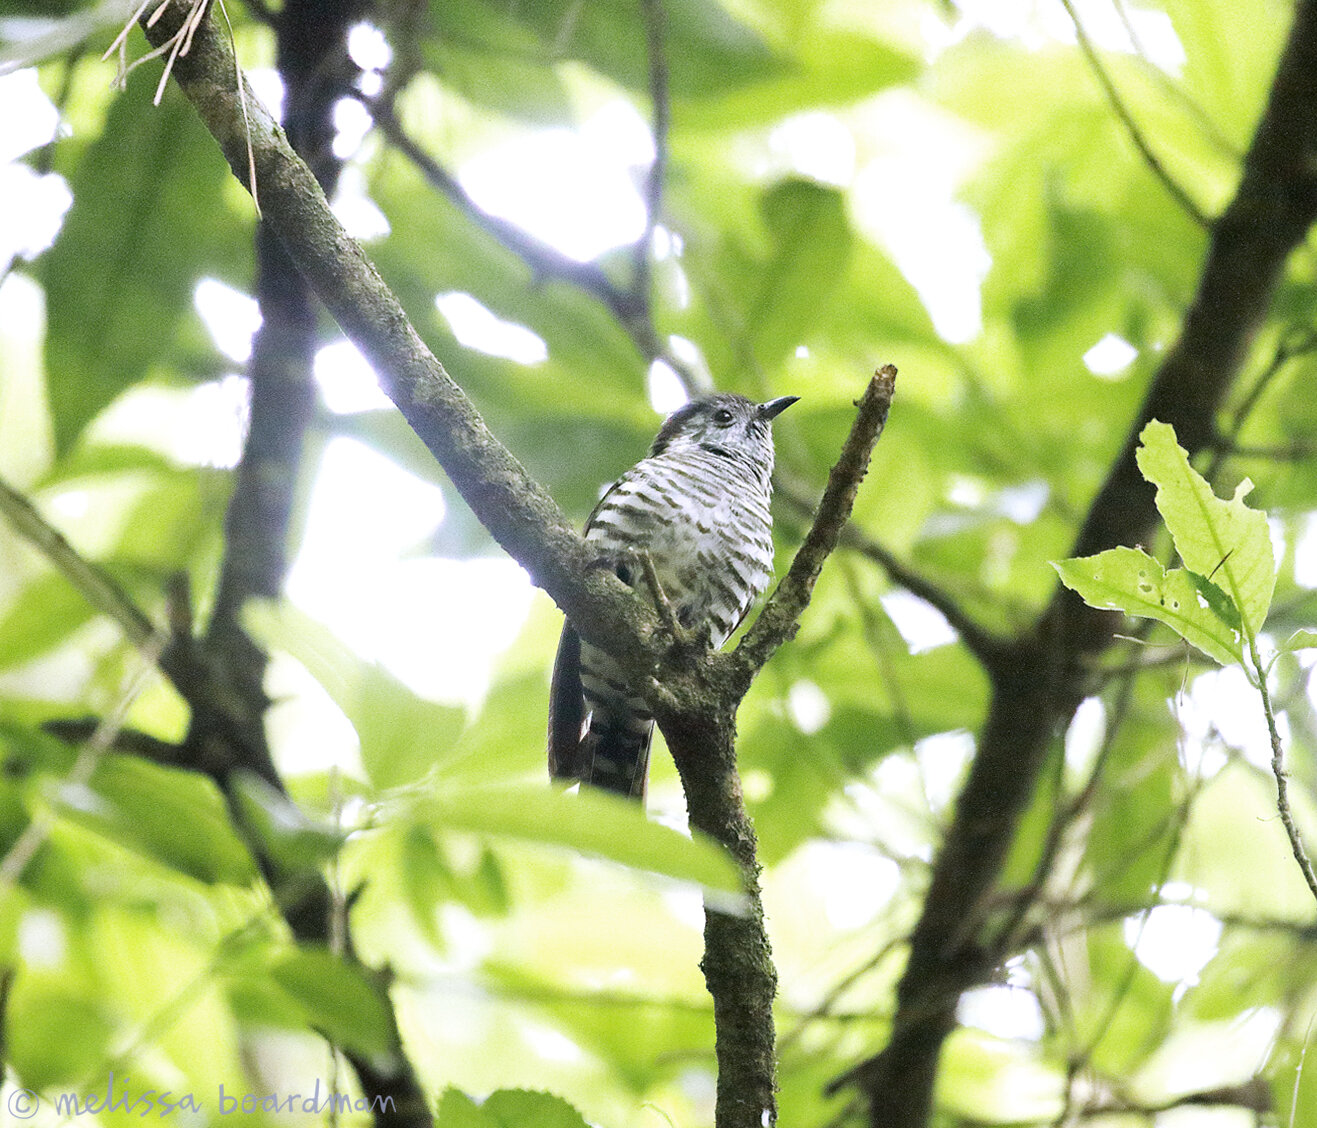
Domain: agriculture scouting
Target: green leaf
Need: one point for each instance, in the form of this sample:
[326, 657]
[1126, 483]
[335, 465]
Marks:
[457, 1110]
[708, 51]
[591, 822]
[828, 67]
[494, 65]
[47, 612]
[402, 735]
[1129, 580]
[515, 1108]
[147, 220]
[1301, 640]
[506, 1108]
[339, 999]
[175, 817]
[54, 1036]
[1225, 541]
[811, 241]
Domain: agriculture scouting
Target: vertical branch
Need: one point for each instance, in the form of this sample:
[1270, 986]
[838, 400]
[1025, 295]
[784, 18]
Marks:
[699, 724]
[738, 960]
[230, 740]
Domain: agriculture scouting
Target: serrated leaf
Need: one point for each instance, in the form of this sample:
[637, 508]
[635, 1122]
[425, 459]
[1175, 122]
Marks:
[507, 1108]
[457, 1110]
[1225, 541]
[1129, 580]
[591, 822]
[515, 1108]
[338, 999]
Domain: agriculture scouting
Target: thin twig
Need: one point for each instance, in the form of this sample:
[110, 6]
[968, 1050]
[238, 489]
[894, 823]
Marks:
[1296, 452]
[661, 601]
[544, 260]
[630, 307]
[96, 587]
[1174, 90]
[778, 620]
[1301, 340]
[871, 627]
[1132, 129]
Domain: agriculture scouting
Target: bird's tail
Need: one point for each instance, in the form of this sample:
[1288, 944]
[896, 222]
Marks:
[615, 757]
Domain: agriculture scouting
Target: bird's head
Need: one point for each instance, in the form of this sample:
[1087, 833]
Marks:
[725, 424]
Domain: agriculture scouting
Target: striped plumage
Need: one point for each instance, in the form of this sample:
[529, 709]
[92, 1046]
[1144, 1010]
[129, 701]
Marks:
[698, 507]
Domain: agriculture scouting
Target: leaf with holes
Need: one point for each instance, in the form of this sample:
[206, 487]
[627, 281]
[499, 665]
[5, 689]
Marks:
[1129, 580]
[1225, 541]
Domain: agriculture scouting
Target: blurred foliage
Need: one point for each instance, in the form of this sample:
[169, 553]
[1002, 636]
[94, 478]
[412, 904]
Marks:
[818, 155]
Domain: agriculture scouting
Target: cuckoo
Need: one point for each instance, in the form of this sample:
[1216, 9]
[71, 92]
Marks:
[697, 507]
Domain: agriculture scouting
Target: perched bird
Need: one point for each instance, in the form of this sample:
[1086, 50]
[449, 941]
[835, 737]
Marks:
[697, 506]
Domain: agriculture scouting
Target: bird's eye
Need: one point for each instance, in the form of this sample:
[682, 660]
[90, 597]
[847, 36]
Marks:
[722, 417]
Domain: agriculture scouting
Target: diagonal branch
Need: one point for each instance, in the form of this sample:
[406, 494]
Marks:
[517, 511]
[95, 586]
[544, 261]
[303, 897]
[630, 306]
[696, 705]
[980, 641]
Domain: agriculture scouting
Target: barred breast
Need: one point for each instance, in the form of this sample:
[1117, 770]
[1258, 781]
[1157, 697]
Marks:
[705, 524]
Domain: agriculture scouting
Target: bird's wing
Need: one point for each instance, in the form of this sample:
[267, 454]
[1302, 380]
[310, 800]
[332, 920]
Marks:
[566, 709]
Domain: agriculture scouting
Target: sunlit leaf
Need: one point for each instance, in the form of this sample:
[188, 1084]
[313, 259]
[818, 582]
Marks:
[1224, 541]
[48, 611]
[1301, 640]
[402, 735]
[506, 1108]
[591, 822]
[1129, 580]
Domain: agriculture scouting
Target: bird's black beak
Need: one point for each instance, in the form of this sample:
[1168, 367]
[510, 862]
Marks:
[773, 408]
